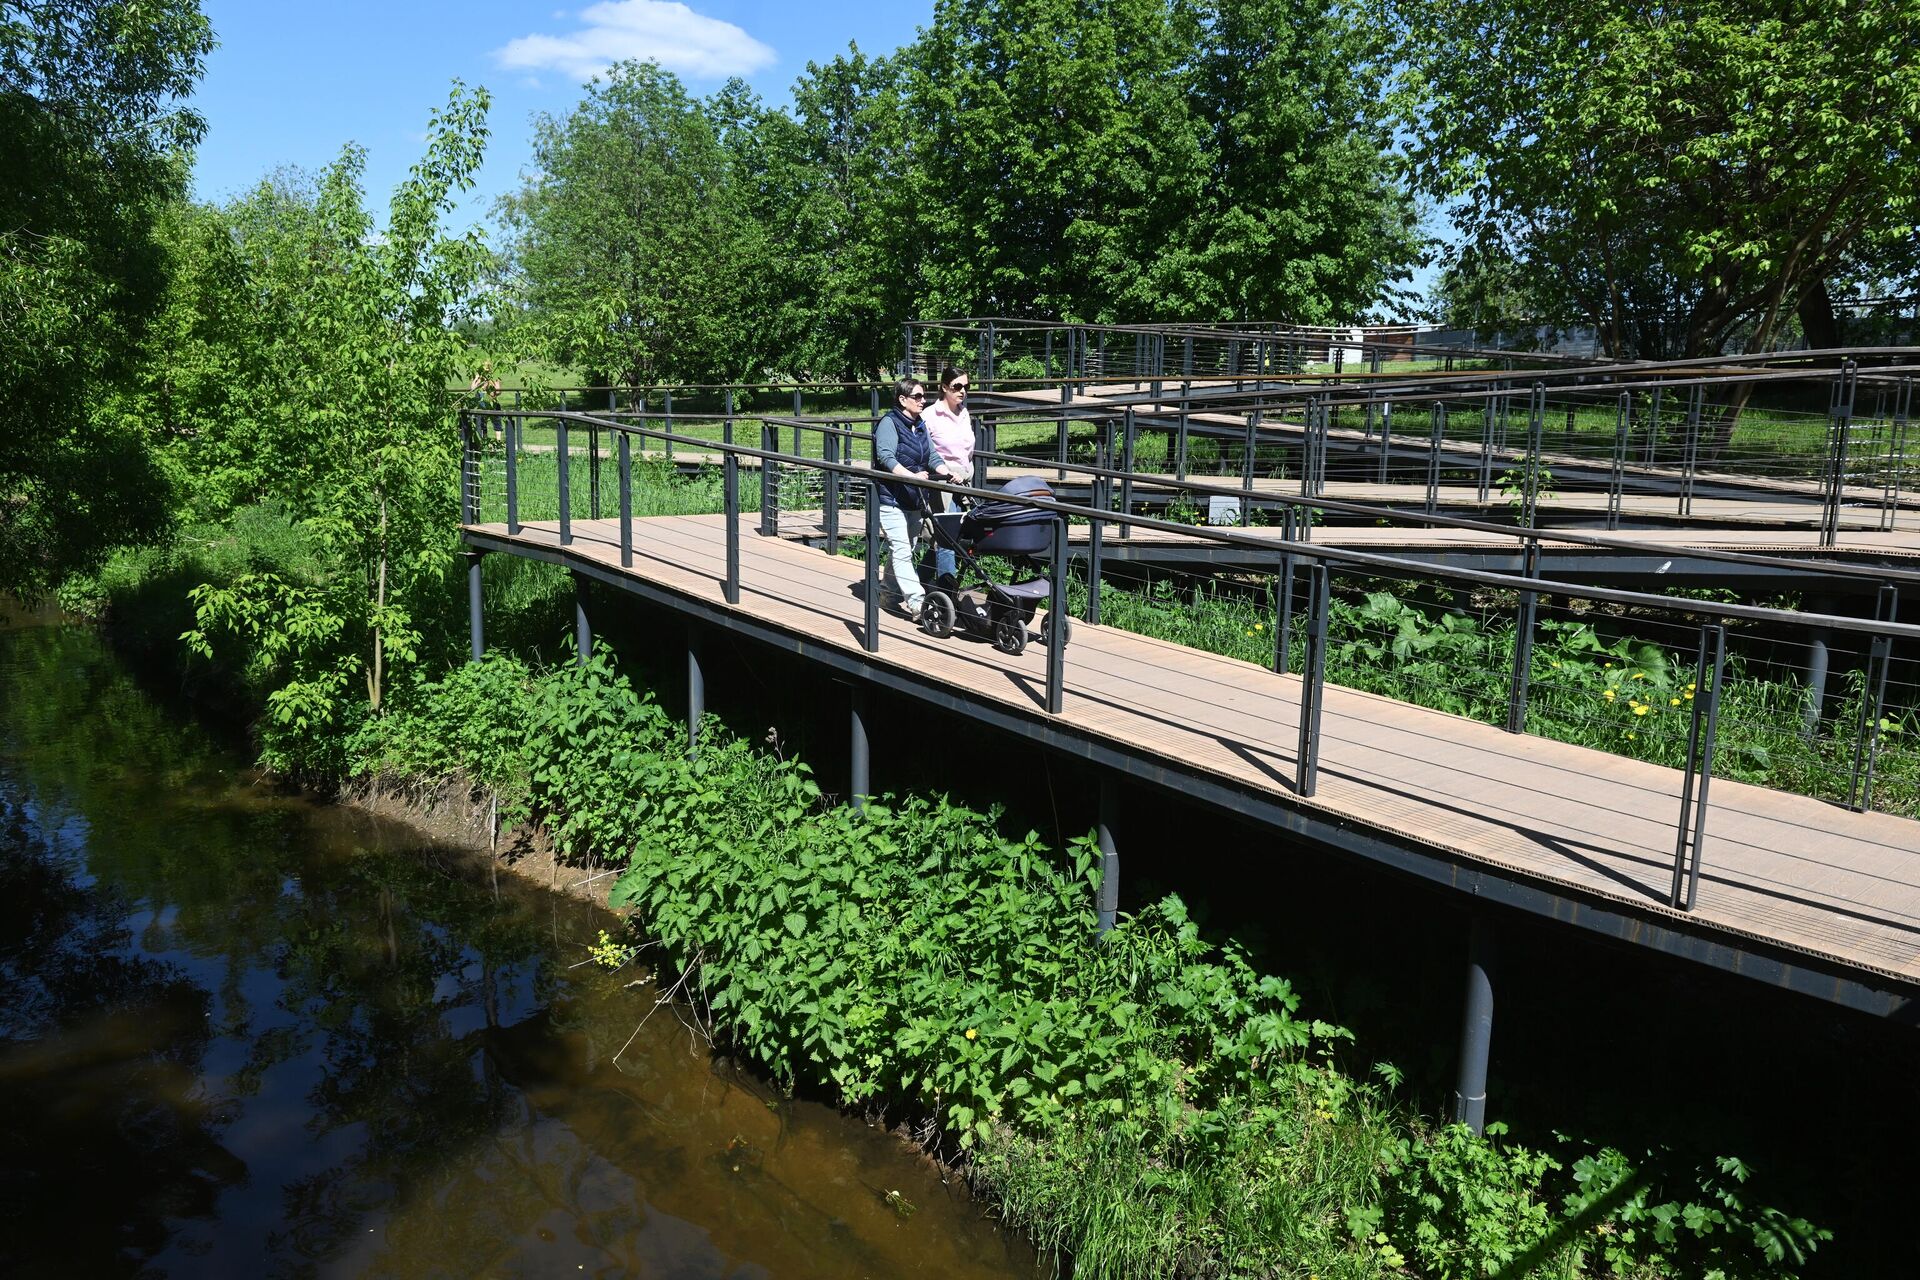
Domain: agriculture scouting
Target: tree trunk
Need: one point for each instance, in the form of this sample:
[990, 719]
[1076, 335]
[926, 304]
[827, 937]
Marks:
[1817, 320]
[376, 672]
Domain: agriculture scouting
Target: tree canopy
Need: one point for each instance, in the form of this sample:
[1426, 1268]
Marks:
[96, 148]
[1681, 176]
[1121, 160]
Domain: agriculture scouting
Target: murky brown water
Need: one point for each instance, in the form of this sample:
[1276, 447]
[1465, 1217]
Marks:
[245, 1035]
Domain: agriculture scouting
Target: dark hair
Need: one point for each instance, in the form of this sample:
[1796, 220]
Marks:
[903, 387]
[947, 376]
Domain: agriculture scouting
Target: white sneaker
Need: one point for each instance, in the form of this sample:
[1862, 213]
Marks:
[912, 608]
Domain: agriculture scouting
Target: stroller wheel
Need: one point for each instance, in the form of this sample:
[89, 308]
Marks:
[1010, 635]
[1046, 629]
[937, 615]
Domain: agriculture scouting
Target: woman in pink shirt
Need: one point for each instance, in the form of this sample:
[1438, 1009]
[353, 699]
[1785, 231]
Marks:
[950, 430]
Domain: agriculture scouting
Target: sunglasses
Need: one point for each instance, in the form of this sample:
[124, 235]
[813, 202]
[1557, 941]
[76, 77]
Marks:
[961, 387]
[915, 395]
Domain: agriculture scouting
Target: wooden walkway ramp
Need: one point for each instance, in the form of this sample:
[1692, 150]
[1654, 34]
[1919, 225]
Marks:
[1793, 890]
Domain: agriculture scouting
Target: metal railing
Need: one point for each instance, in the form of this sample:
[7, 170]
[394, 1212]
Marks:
[1297, 554]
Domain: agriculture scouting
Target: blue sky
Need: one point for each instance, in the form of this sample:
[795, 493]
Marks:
[291, 83]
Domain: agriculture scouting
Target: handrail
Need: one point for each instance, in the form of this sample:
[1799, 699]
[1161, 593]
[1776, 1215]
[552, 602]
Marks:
[1520, 534]
[1231, 537]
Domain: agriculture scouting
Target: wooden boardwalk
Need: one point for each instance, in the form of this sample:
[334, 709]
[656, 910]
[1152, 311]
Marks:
[1791, 874]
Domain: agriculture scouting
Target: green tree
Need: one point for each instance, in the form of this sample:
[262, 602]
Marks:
[1682, 177]
[1304, 215]
[96, 143]
[827, 190]
[631, 253]
[1055, 155]
[358, 440]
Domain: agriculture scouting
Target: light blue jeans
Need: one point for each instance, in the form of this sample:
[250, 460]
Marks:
[898, 577]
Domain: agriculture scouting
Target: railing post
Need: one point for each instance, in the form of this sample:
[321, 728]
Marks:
[593, 471]
[1690, 459]
[1126, 471]
[1313, 679]
[1693, 790]
[1840, 424]
[1896, 456]
[1060, 433]
[1536, 440]
[830, 504]
[769, 482]
[1523, 643]
[1488, 414]
[870, 622]
[1246, 458]
[1386, 429]
[565, 465]
[512, 432]
[1096, 531]
[666, 407]
[1616, 480]
[730, 480]
[1057, 610]
[1283, 598]
[1873, 704]
[1436, 432]
[626, 500]
[1180, 434]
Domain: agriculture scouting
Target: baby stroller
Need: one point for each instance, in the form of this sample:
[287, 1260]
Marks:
[1001, 611]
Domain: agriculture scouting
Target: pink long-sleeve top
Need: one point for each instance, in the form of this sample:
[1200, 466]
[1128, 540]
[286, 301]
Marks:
[951, 433]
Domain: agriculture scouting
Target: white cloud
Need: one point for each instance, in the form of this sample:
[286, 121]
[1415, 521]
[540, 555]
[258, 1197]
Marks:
[661, 31]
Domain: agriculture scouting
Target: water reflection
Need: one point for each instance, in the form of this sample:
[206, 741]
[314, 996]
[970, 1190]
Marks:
[244, 1035]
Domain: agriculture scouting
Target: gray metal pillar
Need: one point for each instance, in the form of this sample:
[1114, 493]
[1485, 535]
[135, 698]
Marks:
[1107, 906]
[475, 631]
[1818, 661]
[1476, 1028]
[582, 630]
[696, 691]
[860, 776]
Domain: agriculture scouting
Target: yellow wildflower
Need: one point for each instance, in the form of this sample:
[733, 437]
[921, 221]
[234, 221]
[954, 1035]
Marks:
[1673, 702]
[1689, 695]
[1639, 675]
[1641, 709]
[1607, 694]
[1259, 626]
[972, 1034]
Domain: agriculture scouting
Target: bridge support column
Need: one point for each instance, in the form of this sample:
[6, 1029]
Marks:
[582, 629]
[1818, 661]
[1107, 906]
[476, 631]
[860, 776]
[1476, 1028]
[696, 691]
